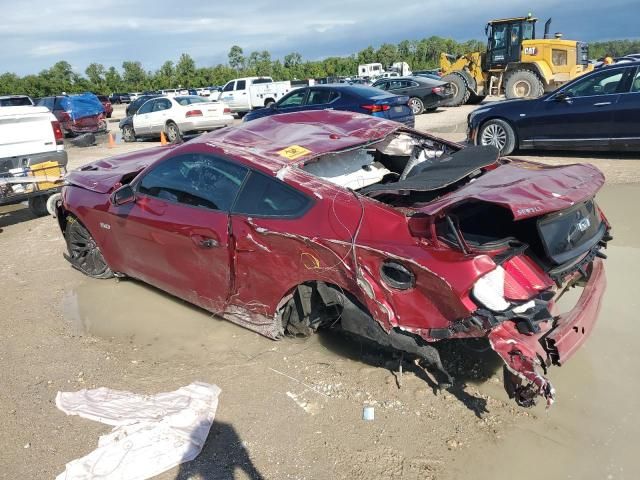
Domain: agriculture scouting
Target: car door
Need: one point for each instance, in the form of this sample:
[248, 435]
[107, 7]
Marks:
[160, 114]
[581, 114]
[268, 255]
[175, 235]
[626, 118]
[227, 95]
[142, 118]
[293, 101]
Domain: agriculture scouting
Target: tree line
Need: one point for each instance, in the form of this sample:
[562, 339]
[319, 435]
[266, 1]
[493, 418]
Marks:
[132, 77]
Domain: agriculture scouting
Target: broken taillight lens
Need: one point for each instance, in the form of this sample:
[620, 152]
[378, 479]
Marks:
[437, 90]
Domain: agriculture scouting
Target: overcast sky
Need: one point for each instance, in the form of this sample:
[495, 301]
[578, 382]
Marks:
[34, 34]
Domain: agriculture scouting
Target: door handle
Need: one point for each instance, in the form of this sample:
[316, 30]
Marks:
[601, 104]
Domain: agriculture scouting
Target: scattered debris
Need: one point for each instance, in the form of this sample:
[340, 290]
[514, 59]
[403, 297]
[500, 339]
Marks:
[368, 413]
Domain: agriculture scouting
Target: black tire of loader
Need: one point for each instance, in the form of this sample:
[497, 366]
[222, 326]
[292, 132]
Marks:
[461, 90]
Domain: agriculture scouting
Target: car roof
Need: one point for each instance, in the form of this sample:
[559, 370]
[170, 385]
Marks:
[292, 138]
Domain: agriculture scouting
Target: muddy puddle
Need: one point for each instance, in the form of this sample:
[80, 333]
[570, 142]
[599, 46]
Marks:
[163, 326]
[590, 433]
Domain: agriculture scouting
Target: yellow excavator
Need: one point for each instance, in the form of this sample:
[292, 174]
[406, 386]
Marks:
[516, 63]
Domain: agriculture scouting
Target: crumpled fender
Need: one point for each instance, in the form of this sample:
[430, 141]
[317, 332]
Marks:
[524, 358]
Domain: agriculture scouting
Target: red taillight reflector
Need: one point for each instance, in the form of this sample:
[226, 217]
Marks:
[376, 108]
[57, 132]
[437, 89]
[227, 110]
[194, 113]
[523, 279]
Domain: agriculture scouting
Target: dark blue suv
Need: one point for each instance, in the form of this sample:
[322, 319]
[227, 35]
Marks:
[353, 98]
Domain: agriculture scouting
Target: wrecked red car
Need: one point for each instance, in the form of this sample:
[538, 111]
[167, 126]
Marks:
[300, 221]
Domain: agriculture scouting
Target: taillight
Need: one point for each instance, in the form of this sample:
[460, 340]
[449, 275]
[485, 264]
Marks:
[194, 113]
[437, 90]
[227, 110]
[57, 132]
[375, 108]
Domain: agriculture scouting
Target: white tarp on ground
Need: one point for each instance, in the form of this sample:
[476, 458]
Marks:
[152, 433]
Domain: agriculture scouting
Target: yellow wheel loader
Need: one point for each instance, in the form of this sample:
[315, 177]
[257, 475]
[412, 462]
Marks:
[515, 64]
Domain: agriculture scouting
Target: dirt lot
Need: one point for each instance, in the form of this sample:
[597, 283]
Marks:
[293, 409]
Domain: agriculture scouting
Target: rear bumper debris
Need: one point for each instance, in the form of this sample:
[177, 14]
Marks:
[527, 357]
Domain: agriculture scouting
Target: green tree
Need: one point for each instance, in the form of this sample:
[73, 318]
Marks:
[387, 54]
[186, 70]
[113, 80]
[236, 58]
[95, 74]
[292, 60]
[134, 76]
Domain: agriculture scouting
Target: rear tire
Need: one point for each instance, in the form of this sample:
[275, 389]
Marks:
[268, 102]
[173, 132]
[523, 84]
[460, 90]
[416, 105]
[499, 134]
[38, 205]
[84, 253]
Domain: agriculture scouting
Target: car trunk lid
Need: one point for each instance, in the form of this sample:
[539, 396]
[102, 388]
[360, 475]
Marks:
[526, 189]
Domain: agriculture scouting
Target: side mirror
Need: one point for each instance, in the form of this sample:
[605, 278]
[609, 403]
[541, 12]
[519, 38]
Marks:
[123, 195]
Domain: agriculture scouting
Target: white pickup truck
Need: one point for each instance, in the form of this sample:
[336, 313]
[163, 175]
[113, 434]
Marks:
[29, 136]
[244, 94]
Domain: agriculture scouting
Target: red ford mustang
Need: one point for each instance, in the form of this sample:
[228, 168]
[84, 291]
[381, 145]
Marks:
[314, 219]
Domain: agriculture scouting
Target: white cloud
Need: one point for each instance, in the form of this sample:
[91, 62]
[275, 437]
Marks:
[60, 48]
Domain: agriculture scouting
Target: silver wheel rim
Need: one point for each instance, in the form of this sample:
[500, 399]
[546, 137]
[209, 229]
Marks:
[172, 132]
[414, 103]
[128, 133]
[494, 135]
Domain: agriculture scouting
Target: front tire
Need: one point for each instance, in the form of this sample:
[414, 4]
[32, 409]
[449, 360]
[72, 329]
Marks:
[499, 134]
[128, 133]
[84, 253]
[523, 84]
[460, 90]
[416, 105]
[173, 132]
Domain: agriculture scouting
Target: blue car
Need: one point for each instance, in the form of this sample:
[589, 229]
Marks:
[353, 98]
[597, 111]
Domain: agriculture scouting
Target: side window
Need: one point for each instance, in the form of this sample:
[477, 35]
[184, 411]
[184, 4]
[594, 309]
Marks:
[499, 32]
[413, 84]
[161, 104]
[294, 99]
[319, 96]
[635, 86]
[146, 108]
[241, 85]
[269, 197]
[229, 86]
[334, 96]
[395, 84]
[196, 180]
[601, 83]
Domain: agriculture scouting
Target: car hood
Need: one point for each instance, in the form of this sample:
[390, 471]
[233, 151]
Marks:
[102, 175]
[527, 189]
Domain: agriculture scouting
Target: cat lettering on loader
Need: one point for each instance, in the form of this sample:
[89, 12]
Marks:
[516, 63]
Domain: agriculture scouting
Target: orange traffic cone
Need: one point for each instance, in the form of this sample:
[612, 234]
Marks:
[163, 139]
[112, 142]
